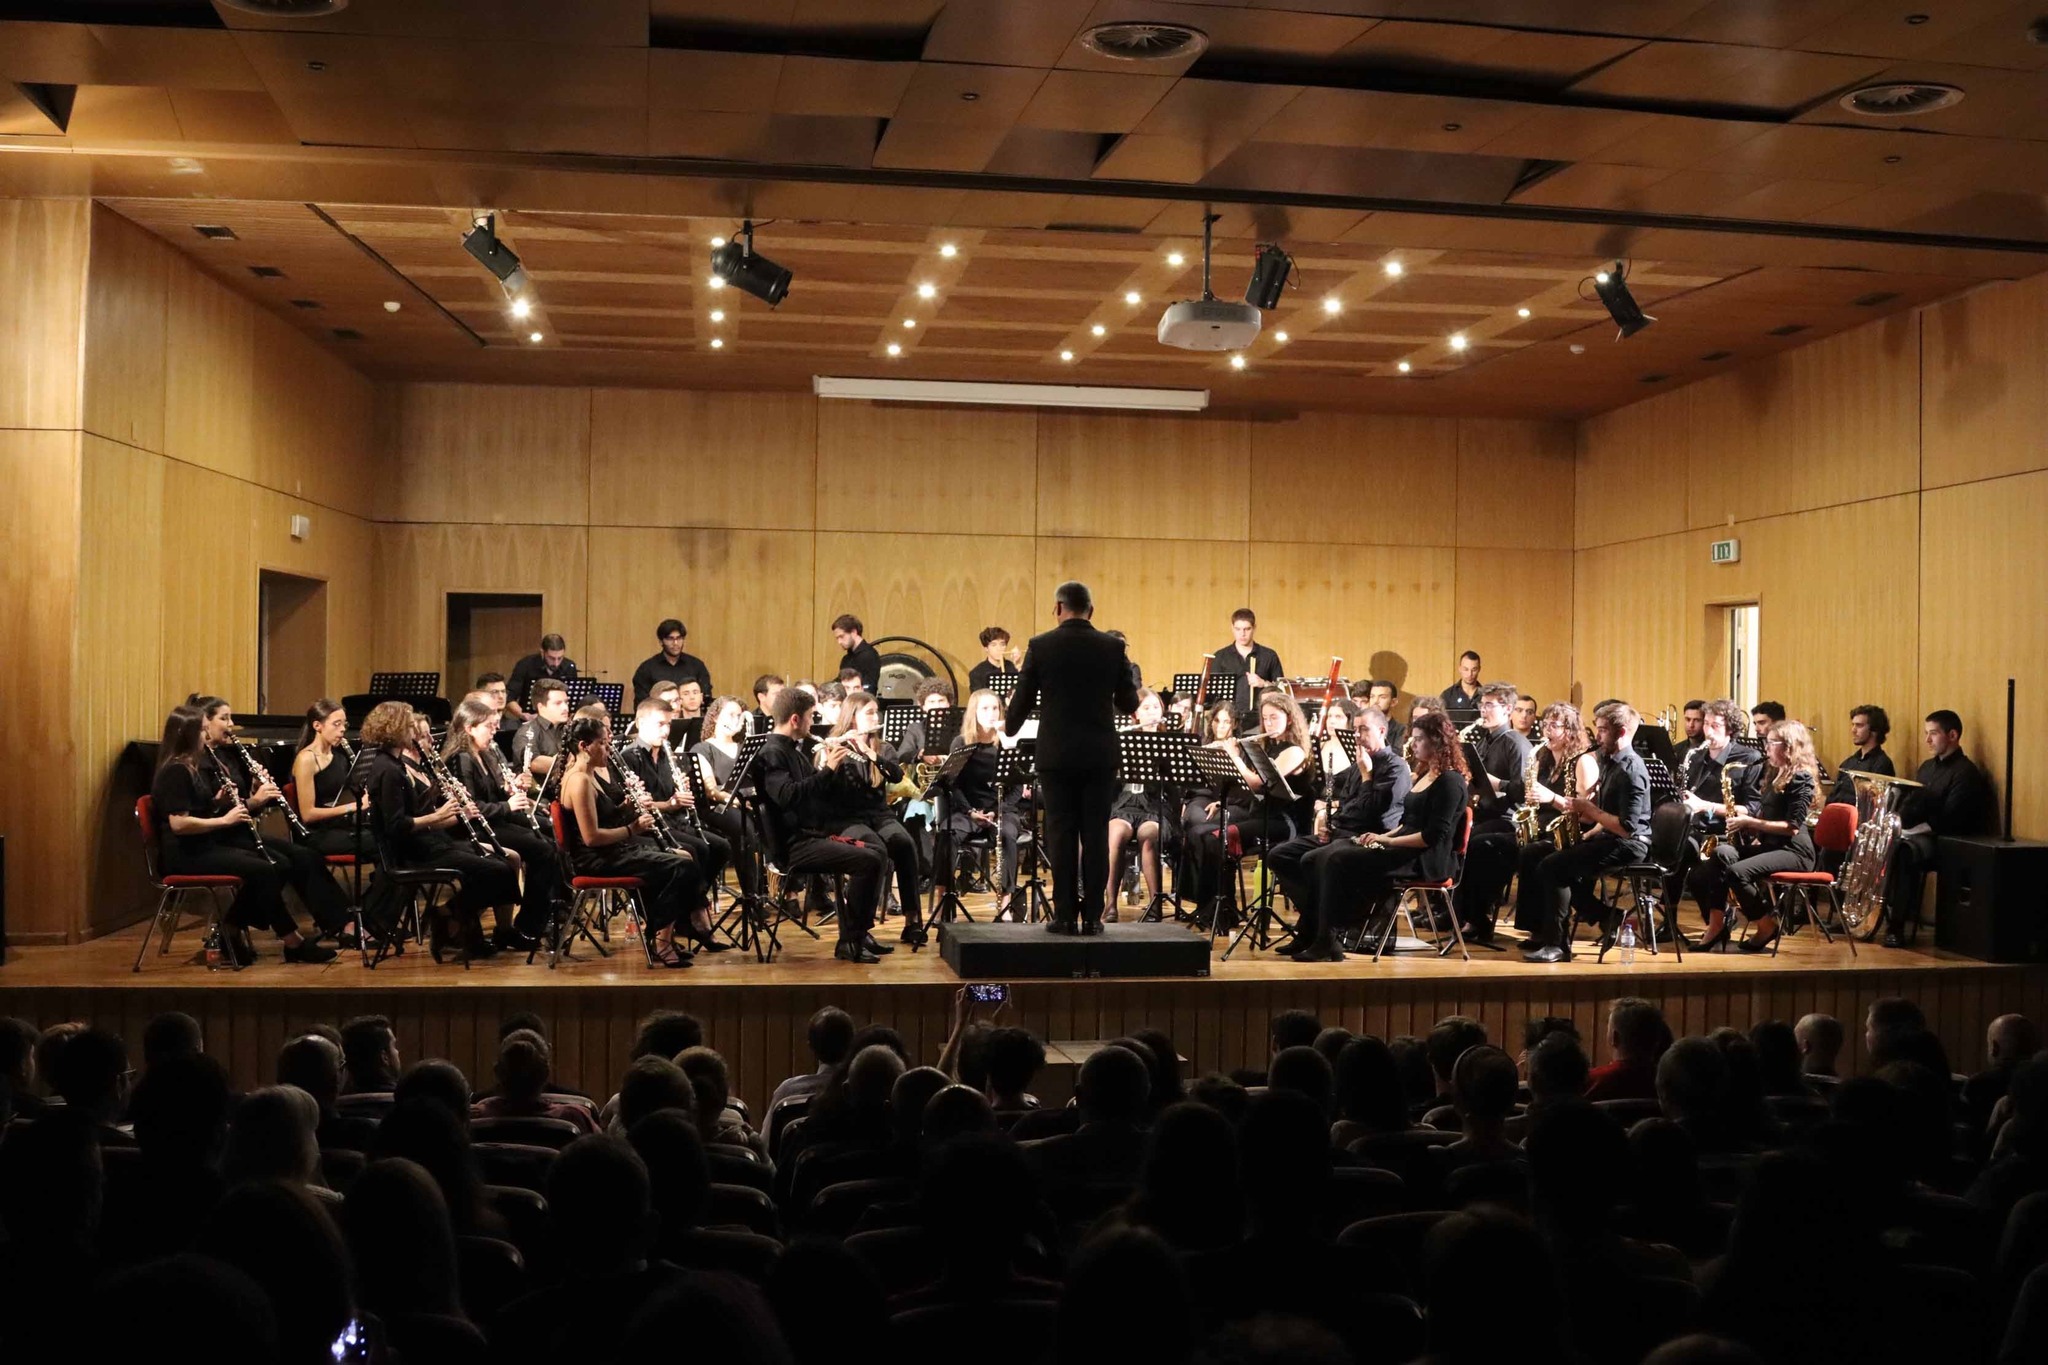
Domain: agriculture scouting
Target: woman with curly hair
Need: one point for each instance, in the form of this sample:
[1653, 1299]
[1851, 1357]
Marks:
[1772, 840]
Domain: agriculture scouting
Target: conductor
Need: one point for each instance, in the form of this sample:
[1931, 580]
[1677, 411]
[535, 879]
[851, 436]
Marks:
[1080, 680]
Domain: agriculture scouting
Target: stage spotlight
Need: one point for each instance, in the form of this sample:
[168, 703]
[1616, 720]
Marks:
[521, 308]
[1269, 278]
[1612, 287]
[481, 241]
[738, 264]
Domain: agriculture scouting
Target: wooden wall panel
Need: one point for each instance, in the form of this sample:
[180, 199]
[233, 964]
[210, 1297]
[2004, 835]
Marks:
[743, 594]
[127, 303]
[43, 246]
[886, 466]
[340, 550]
[418, 566]
[1173, 598]
[38, 602]
[1324, 476]
[1629, 623]
[1631, 476]
[1515, 608]
[1983, 560]
[209, 587]
[209, 363]
[664, 458]
[1985, 385]
[314, 423]
[1143, 475]
[491, 453]
[939, 588]
[1515, 484]
[1387, 611]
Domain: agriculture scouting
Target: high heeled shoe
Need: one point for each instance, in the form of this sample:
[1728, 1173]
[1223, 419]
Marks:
[670, 956]
[1760, 942]
[1714, 938]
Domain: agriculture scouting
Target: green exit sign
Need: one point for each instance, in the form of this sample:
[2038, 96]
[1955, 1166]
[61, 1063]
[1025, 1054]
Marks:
[1727, 551]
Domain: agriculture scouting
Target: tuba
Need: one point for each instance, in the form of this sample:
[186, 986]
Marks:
[1862, 877]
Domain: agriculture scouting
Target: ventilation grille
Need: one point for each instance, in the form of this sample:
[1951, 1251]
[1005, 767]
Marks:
[1874, 300]
[1790, 329]
[347, 334]
[214, 232]
[1717, 355]
[1899, 101]
[1653, 379]
[287, 9]
[266, 272]
[1145, 42]
[305, 303]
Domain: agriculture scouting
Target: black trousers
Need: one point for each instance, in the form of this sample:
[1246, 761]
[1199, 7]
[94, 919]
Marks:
[261, 899]
[1532, 911]
[338, 837]
[1349, 881]
[730, 825]
[1077, 806]
[487, 879]
[901, 847]
[1008, 829]
[1490, 861]
[711, 849]
[1566, 879]
[1744, 873]
[671, 884]
[305, 871]
[1906, 881]
[543, 873]
[863, 863]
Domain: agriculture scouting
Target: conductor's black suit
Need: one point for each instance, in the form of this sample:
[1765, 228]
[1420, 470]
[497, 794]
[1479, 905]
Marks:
[1080, 681]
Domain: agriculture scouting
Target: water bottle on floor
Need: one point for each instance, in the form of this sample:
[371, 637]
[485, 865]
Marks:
[1628, 941]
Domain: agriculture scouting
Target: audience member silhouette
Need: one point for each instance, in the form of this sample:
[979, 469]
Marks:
[281, 1236]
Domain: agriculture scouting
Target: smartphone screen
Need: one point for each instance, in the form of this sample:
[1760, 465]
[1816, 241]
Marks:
[987, 993]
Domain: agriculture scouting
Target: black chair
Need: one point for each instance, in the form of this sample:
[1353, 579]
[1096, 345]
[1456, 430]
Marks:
[1634, 1316]
[1797, 1111]
[525, 1213]
[728, 1169]
[1404, 1153]
[1002, 1333]
[401, 902]
[1629, 1112]
[436, 1337]
[738, 1149]
[1489, 1182]
[837, 1209]
[780, 1115]
[493, 1274]
[1393, 1243]
[525, 1131]
[742, 1206]
[749, 1255]
[339, 1167]
[1357, 1193]
[516, 1164]
[369, 1104]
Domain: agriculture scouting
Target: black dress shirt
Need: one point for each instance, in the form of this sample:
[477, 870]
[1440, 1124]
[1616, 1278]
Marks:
[1506, 756]
[1077, 677]
[1370, 805]
[481, 776]
[1954, 796]
[531, 670]
[980, 677]
[651, 766]
[803, 800]
[1792, 805]
[1462, 710]
[1434, 812]
[1705, 782]
[659, 670]
[1262, 663]
[868, 660]
[1876, 761]
[1625, 792]
[541, 738]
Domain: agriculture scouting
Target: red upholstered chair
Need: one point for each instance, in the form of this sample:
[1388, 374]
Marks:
[1410, 891]
[172, 888]
[590, 901]
[1835, 833]
[347, 862]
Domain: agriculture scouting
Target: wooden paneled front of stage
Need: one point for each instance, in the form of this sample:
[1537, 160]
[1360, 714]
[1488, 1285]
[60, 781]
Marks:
[755, 1013]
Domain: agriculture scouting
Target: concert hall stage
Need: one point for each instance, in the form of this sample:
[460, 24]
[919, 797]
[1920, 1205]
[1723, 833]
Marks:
[755, 1013]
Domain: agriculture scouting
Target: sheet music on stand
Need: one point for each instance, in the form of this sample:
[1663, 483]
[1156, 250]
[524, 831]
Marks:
[1277, 787]
[1163, 757]
[1315, 771]
[897, 717]
[684, 732]
[1017, 764]
[1003, 685]
[940, 727]
[1216, 769]
[1222, 687]
[955, 764]
[743, 762]
[404, 686]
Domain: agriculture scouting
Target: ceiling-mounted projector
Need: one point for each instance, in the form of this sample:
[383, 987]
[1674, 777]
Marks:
[1208, 323]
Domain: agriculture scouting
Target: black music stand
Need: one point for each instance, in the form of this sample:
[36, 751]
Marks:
[1217, 771]
[1017, 766]
[764, 916]
[945, 900]
[1164, 762]
[684, 732]
[405, 686]
[1004, 685]
[1223, 687]
[940, 727]
[897, 717]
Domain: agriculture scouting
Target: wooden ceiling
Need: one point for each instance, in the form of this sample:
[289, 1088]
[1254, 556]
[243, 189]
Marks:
[1500, 150]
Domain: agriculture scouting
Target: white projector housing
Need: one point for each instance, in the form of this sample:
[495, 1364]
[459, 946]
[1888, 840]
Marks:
[1209, 325]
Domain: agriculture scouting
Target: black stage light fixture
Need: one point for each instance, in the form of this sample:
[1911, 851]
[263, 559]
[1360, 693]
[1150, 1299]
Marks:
[481, 241]
[1269, 277]
[739, 265]
[1612, 287]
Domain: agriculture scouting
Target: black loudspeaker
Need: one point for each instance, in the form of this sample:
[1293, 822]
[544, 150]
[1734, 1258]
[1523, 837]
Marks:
[1017, 952]
[1992, 899]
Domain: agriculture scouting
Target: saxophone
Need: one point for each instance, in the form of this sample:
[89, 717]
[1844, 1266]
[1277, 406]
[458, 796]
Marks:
[1713, 841]
[1527, 817]
[1565, 829]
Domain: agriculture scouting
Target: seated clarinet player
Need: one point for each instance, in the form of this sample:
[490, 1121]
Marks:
[1774, 839]
[1137, 814]
[801, 801]
[870, 767]
[1565, 766]
[506, 800]
[975, 805]
[649, 758]
[205, 828]
[608, 835]
[1619, 810]
[1208, 812]
[1369, 796]
[717, 757]
[419, 825]
[329, 797]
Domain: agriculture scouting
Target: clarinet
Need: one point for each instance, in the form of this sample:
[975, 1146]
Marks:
[291, 817]
[473, 822]
[235, 796]
[511, 781]
[682, 787]
[636, 790]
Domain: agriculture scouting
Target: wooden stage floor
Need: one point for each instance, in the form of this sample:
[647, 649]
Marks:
[755, 1012]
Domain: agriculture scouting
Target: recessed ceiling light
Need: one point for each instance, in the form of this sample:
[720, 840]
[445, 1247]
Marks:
[1098, 329]
[970, 96]
[1280, 337]
[948, 250]
[1403, 367]
[1393, 268]
[1458, 341]
[908, 323]
[1066, 355]
[718, 343]
[718, 241]
[1131, 297]
[533, 336]
[521, 308]
[1175, 258]
[717, 282]
[1333, 306]
[1237, 362]
[1521, 312]
[718, 315]
[894, 349]
[1577, 349]
[1599, 277]
[392, 305]
[927, 290]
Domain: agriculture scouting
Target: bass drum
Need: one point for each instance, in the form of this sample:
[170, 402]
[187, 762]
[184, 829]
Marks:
[906, 662]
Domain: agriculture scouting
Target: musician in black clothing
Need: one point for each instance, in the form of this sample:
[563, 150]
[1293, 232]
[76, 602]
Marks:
[205, 829]
[1385, 697]
[1138, 813]
[1772, 840]
[420, 826]
[539, 739]
[1954, 797]
[976, 806]
[1680, 829]
[1694, 716]
[998, 660]
[305, 868]
[1565, 766]
[1619, 810]
[1368, 796]
[1355, 876]
[847, 634]
[328, 801]
[650, 759]
[552, 661]
[505, 799]
[765, 688]
[607, 836]
[1245, 657]
[1490, 858]
[1207, 812]
[1080, 681]
[671, 664]
[802, 802]
[871, 768]
[1869, 727]
[1461, 698]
